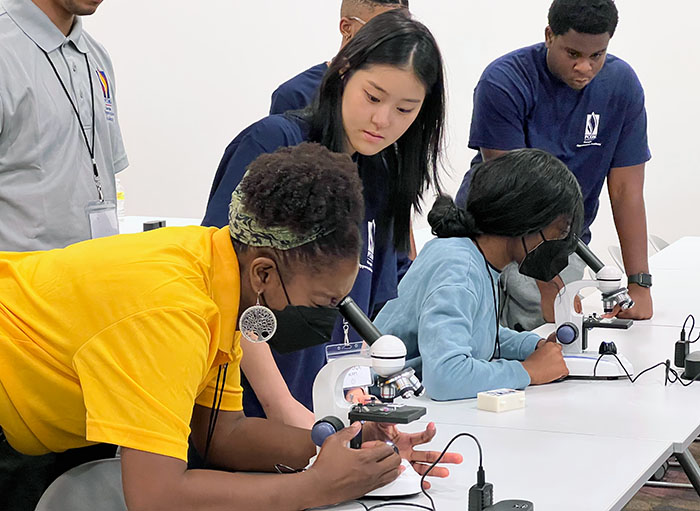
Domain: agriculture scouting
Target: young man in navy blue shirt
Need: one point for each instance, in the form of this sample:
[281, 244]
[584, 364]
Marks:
[568, 96]
[299, 92]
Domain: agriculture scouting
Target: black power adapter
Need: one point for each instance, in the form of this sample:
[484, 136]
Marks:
[481, 494]
[681, 351]
[682, 348]
[481, 497]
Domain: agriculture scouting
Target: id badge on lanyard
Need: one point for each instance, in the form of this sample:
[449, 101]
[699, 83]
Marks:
[360, 376]
[102, 216]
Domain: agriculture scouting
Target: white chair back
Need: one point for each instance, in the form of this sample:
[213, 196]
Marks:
[93, 486]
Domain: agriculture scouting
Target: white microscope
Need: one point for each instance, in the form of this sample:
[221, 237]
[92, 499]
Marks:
[387, 358]
[572, 327]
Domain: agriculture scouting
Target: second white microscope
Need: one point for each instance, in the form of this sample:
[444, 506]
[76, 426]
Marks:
[572, 326]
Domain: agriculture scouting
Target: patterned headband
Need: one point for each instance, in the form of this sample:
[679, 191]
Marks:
[245, 228]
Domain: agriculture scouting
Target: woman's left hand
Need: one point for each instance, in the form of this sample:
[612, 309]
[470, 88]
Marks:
[405, 443]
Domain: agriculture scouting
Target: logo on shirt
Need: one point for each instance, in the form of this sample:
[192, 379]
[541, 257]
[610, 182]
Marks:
[107, 93]
[591, 133]
[369, 265]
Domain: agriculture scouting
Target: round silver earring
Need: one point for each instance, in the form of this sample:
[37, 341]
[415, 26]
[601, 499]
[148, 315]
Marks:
[258, 323]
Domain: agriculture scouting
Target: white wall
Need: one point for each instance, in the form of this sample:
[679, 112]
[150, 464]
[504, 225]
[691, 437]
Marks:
[191, 75]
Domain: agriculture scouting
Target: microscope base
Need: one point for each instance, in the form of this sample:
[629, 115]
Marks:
[581, 366]
[407, 484]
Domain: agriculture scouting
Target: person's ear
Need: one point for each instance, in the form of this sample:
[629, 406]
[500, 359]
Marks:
[263, 274]
[548, 37]
[346, 29]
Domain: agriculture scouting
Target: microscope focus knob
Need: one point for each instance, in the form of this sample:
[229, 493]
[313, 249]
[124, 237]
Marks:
[567, 333]
[324, 428]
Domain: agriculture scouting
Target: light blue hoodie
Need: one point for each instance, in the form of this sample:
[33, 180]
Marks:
[445, 315]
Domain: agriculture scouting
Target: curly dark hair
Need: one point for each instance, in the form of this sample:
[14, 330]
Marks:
[583, 16]
[300, 188]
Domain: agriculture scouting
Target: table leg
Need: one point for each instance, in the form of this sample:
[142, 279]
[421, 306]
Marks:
[690, 467]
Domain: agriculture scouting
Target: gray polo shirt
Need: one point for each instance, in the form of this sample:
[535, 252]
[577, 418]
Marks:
[46, 176]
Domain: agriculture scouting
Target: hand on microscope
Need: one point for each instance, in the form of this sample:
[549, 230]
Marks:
[643, 307]
[546, 364]
[405, 443]
[346, 474]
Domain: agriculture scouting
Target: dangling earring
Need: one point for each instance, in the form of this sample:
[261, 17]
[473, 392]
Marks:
[258, 323]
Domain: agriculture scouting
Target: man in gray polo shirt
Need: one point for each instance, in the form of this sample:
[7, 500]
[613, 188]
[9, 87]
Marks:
[57, 115]
[51, 73]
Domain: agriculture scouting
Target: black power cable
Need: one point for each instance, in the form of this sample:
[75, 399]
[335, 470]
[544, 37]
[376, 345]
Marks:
[480, 476]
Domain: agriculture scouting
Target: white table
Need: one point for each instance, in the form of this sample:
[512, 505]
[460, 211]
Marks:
[646, 411]
[555, 471]
[682, 254]
[132, 224]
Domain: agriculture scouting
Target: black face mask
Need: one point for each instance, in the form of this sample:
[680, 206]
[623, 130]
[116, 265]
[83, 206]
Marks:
[548, 258]
[300, 327]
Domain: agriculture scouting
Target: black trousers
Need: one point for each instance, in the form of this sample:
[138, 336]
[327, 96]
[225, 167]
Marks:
[23, 479]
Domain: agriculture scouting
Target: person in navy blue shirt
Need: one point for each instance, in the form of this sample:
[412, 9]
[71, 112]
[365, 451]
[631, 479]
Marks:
[383, 101]
[298, 92]
[569, 97]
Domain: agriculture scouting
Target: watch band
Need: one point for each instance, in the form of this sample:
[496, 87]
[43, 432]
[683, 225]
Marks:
[641, 279]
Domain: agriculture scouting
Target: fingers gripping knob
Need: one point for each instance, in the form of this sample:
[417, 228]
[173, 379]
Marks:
[567, 333]
[324, 428]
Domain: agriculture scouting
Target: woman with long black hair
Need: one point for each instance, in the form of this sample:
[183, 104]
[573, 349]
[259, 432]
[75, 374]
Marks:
[524, 207]
[383, 102]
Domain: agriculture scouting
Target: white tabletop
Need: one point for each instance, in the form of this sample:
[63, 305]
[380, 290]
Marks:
[682, 254]
[132, 224]
[645, 410]
[555, 471]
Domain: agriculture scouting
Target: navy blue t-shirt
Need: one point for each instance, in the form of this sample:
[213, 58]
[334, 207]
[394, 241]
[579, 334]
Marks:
[376, 281]
[298, 92]
[519, 103]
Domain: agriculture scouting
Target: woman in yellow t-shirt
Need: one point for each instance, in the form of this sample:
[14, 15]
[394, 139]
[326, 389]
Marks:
[132, 340]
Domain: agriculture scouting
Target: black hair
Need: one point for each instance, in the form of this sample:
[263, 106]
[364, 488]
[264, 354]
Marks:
[583, 16]
[392, 38]
[521, 192]
[402, 3]
[381, 3]
[300, 188]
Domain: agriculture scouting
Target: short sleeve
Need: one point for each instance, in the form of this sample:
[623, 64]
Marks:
[232, 396]
[118, 151]
[263, 137]
[498, 118]
[280, 103]
[632, 145]
[140, 377]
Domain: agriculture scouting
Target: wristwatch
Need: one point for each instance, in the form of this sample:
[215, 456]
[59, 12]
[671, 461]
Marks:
[641, 279]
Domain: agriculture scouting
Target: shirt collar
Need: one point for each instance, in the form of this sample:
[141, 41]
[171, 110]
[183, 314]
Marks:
[225, 286]
[40, 29]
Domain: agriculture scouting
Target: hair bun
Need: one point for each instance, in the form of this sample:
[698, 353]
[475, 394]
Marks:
[449, 221]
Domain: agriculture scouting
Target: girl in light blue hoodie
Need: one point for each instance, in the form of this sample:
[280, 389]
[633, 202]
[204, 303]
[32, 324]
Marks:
[523, 207]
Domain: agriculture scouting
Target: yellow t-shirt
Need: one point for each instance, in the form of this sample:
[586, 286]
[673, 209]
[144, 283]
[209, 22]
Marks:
[113, 340]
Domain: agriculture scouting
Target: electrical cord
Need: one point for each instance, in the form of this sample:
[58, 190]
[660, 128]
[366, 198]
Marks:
[669, 370]
[690, 333]
[481, 478]
[690, 316]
